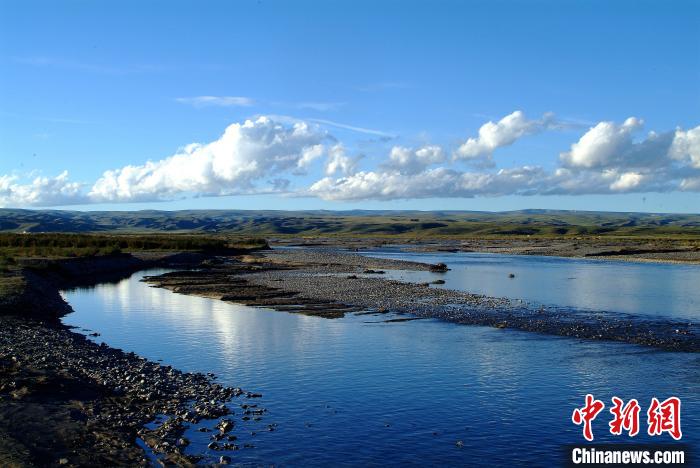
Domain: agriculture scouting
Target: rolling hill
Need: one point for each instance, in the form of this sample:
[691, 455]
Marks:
[452, 224]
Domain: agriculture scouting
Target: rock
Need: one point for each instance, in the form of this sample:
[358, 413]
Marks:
[225, 425]
[438, 281]
[438, 267]
[224, 460]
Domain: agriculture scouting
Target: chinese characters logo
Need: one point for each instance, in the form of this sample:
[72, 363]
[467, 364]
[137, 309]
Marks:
[662, 416]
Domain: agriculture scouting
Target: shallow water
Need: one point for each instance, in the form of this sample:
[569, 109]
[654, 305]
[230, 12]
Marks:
[665, 290]
[355, 391]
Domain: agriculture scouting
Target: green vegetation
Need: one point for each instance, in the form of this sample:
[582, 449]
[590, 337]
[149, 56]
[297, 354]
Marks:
[20, 252]
[6, 262]
[10, 286]
[359, 223]
[14, 245]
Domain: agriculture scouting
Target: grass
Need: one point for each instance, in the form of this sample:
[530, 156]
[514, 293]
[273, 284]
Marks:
[390, 224]
[55, 245]
[11, 287]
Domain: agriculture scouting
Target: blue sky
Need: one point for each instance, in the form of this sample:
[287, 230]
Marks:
[89, 87]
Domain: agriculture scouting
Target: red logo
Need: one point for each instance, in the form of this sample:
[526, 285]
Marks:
[661, 417]
[626, 417]
[587, 414]
[665, 417]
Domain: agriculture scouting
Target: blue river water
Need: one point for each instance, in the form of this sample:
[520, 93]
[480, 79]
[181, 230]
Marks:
[650, 289]
[357, 391]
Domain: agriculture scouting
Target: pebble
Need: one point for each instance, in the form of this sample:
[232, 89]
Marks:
[145, 388]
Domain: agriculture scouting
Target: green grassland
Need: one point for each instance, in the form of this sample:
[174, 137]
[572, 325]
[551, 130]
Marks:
[58, 245]
[16, 248]
[406, 224]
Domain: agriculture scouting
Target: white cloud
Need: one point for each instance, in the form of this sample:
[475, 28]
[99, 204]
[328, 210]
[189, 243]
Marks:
[260, 156]
[438, 182]
[627, 181]
[230, 165]
[340, 163]
[606, 159]
[410, 161]
[218, 101]
[493, 135]
[602, 144]
[42, 191]
[686, 146]
[308, 156]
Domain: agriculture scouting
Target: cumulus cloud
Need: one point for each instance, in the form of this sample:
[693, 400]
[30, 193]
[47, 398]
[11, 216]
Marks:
[230, 165]
[218, 101]
[600, 145]
[627, 181]
[410, 161]
[340, 163]
[505, 132]
[262, 155]
[606, 159]
[42, 191]
[686, 146]
[437, 182]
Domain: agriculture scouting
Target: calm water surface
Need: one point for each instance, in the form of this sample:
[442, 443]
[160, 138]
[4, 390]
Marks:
[666, 290]
[355, 391]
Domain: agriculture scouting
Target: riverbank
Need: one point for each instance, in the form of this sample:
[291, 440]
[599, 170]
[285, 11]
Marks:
[658, 250]
[316, 281]
[67, 401]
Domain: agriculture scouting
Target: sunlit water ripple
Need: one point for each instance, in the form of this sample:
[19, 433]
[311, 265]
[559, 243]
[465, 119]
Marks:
[349, 392]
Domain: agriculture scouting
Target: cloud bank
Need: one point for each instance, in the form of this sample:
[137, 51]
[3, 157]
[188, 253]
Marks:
[265, 154]
[606, 159]
[230, 165]
[42, 191]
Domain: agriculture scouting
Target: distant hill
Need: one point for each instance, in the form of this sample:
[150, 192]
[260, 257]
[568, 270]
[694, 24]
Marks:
[356, 222]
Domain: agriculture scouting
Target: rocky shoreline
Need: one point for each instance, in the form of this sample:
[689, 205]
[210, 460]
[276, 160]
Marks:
[67, 401]
[656, 250]
[331, 283]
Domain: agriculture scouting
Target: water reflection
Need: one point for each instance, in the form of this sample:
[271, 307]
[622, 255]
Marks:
[667, 290]
[347, 392]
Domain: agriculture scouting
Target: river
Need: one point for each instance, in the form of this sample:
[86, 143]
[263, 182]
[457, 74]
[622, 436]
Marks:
[358, 391]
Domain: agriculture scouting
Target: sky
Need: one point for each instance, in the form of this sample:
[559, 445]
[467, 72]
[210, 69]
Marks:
[460, 105]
